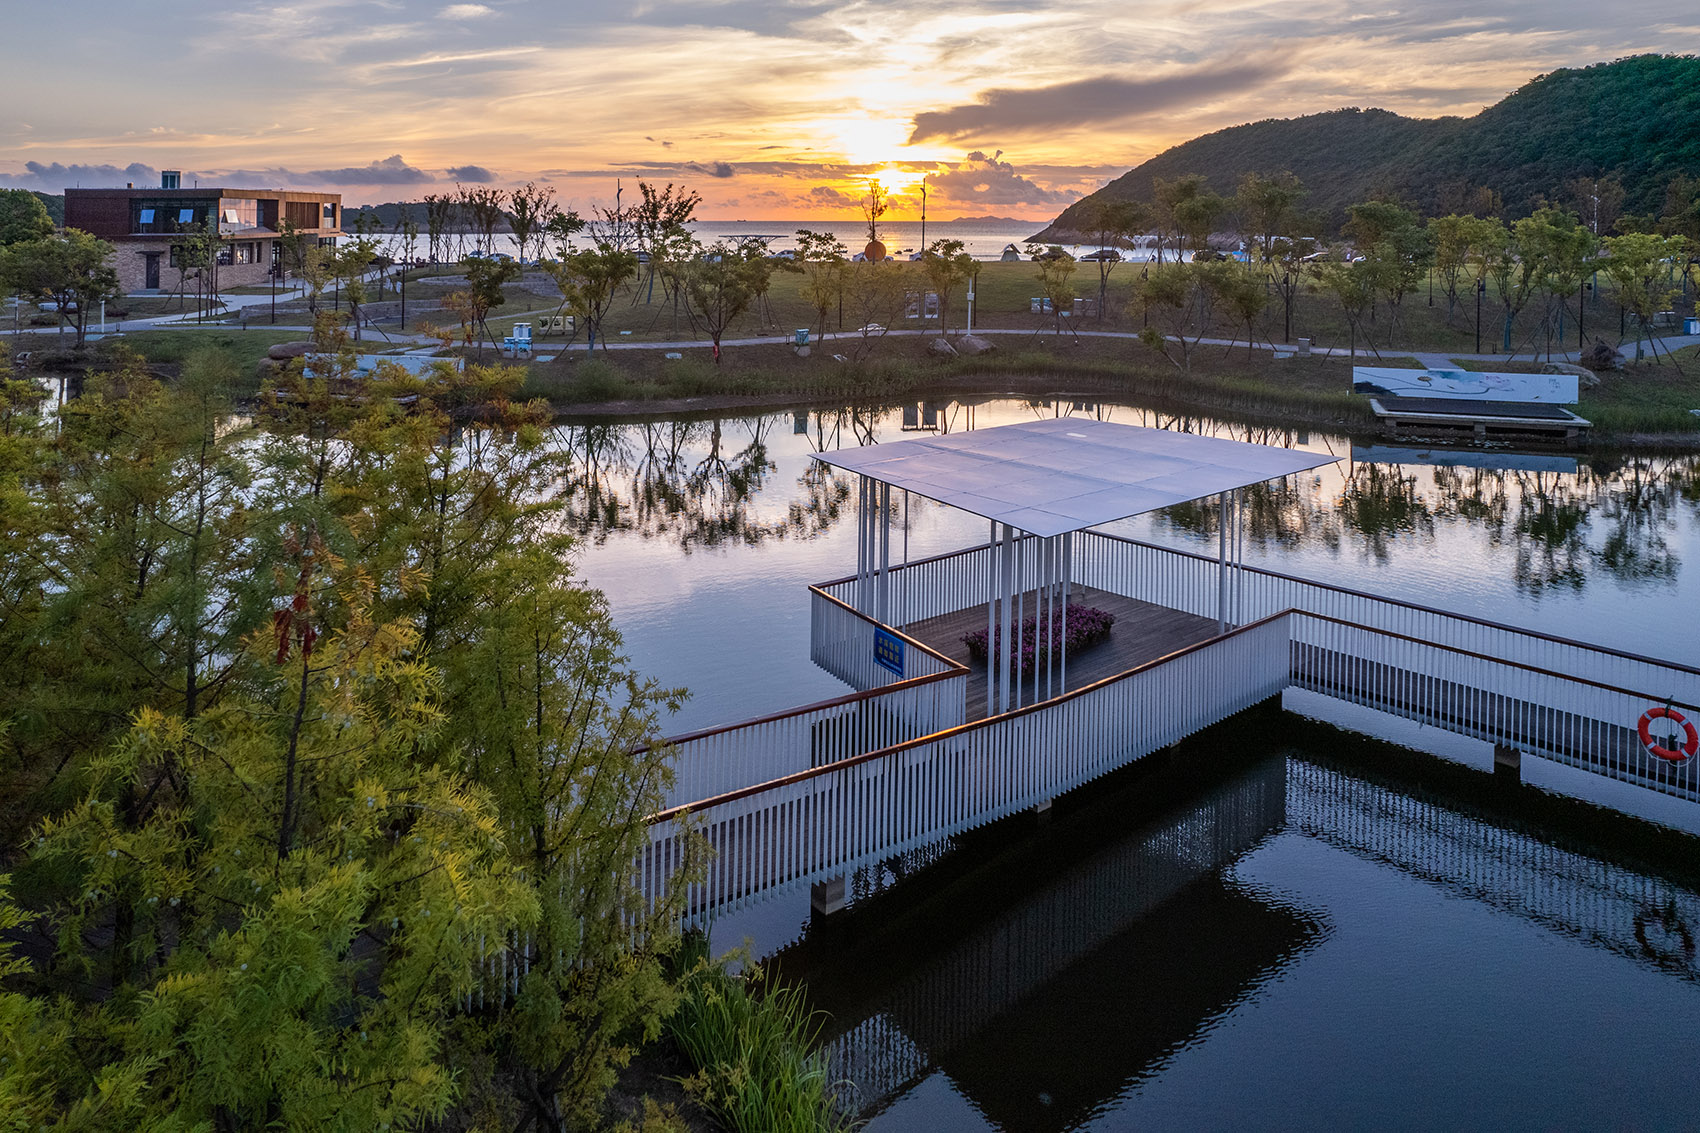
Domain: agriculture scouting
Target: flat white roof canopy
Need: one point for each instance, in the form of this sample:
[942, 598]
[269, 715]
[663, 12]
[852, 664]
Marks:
[1053, 476]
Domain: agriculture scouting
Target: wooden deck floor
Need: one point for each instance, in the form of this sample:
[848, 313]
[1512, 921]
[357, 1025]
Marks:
[1143, 632]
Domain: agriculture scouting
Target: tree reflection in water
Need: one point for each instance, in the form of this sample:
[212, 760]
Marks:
[707, 483]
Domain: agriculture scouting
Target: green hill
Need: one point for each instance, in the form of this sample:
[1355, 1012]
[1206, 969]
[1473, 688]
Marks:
[1637, 119]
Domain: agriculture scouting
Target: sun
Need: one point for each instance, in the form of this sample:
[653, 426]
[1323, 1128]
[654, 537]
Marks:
[894, 180]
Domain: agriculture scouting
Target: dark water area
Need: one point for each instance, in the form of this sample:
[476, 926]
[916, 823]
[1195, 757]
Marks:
[1309, 932]
[1281, 925]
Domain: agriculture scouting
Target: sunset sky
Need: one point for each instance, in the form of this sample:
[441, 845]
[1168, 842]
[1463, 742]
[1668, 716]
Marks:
[768, 108]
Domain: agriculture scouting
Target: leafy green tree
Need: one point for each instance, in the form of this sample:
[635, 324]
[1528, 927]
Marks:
[1056, 269]
[1459, 243]
[531, 208]
[73, 269]
[722, 283]
[1269, 207]
[23, 217]
[1354, 286]
[825, 259]
[1639, 264]
[589, 281]
[1181, 300]
[350, 793]
[1113, 224]
[1560, 247]
[947, 267]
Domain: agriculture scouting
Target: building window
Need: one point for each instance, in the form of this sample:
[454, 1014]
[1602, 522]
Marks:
[226, 254]
[185, 216]
[146, 216]
[247, 252]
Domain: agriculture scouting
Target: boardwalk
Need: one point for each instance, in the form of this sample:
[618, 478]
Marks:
[1143, 632]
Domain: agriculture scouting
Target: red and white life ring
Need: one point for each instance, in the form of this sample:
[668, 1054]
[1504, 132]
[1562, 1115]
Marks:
[1690, 738]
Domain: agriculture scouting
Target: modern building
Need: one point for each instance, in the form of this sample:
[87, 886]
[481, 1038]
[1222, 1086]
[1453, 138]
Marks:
[149, 228]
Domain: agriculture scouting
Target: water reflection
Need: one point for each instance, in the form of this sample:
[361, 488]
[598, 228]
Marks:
[705, 532]
[1054, 984]
[1558, 521]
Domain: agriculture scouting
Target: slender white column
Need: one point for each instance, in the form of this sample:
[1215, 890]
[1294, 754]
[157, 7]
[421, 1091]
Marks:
[1239, 556]
[1222, 563]
[992, 570]
[1006, 595]
[1020, 643]
[1067, 582]
[906, 571]
[885, 554]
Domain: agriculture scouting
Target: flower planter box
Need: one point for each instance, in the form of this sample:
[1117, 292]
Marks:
[1086, 625]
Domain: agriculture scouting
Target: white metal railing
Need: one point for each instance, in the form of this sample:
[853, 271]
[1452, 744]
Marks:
[930, 697]
[829, 820]
[1186, 581]
[828, 788]
[1571, 719]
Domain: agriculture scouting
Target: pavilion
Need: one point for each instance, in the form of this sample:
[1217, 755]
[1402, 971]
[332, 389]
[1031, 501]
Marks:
[1040, 483]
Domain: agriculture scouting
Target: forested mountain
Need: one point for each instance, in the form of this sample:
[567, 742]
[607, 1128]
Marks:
[1637, 119]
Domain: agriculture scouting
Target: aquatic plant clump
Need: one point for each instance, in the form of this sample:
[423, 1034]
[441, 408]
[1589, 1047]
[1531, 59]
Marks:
[1085, 626]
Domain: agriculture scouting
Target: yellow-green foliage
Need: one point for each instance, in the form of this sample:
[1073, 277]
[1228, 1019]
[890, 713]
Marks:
[310, 729]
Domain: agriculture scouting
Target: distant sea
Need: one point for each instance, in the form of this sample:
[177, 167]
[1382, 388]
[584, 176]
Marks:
[984, 239]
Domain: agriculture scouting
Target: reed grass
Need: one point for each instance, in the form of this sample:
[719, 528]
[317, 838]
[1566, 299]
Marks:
[754, 1049]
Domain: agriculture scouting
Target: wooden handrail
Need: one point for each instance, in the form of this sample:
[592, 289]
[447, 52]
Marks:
[1493, 660]
[905, 745]
[1346, 590]
[1554, 638]
[953, 668]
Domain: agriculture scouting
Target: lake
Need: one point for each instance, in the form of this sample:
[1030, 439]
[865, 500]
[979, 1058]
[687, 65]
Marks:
[1284, 930]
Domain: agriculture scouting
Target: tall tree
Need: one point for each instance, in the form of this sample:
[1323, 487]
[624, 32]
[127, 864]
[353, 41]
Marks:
[947, 267]
[1113, 225]
[824, 259]
[722, 283]
[482, 205]
[530, 209]
[589, 281]
[23, 217]
[1268, 207]
[73, 270]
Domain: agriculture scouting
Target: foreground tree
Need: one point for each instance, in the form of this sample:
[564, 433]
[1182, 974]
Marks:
[348, 744]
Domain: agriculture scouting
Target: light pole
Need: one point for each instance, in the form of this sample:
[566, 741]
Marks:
[923, 215]
[1481, 290]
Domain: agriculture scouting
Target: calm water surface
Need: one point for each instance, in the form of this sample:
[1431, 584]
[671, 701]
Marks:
[1294, 936]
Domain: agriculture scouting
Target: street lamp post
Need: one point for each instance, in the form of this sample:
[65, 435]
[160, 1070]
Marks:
[1481, 290]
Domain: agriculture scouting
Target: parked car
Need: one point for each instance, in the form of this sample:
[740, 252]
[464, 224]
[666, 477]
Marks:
[1102, 255]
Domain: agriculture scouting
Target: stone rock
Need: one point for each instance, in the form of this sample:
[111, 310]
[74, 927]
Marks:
[1600, 356]
[942, 348]
[284, 351]
[1587, 377]
[972, 344]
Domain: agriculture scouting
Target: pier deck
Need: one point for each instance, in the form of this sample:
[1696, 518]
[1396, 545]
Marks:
[1143, 632]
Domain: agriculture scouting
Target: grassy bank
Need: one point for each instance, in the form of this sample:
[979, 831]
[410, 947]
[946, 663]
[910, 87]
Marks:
[1310, 390]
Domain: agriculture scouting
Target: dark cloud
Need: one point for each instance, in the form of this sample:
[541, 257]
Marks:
[390, 171]
[719, 169]
[1086, 101]
[56, 178]
[983, 180]
[477, 174]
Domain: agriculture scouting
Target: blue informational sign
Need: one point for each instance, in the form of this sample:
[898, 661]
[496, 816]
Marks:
[888, 650]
